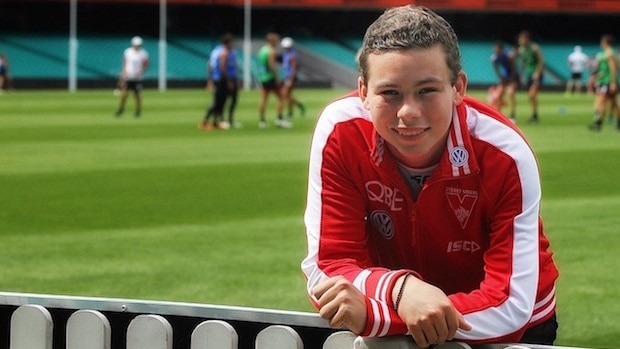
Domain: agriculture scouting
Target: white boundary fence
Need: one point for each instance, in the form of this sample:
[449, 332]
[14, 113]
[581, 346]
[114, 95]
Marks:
[34, 321]
[38, 321]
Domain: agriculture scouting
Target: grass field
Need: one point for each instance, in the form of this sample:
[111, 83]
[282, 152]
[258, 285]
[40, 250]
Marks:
[153, 208]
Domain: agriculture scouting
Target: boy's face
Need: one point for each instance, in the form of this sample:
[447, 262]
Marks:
[411, 99]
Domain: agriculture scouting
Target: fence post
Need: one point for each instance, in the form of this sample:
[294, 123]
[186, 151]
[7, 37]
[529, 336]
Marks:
[88, 329]
[389, 342]
[340, 340]
[31, 327]
[149, 332]
[214, 334]
[278, 337]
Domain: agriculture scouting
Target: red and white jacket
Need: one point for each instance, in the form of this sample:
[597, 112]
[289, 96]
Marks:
[474, 230]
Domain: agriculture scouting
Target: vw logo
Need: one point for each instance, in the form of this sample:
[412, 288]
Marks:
[383, 222]
[458, 156]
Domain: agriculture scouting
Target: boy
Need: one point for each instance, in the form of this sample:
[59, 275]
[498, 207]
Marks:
[423, 204]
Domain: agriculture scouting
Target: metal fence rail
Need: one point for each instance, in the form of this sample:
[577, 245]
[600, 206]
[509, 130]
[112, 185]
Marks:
[33, 321]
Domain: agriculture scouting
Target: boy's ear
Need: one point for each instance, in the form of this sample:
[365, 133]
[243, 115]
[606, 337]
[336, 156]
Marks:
[362, 90]
[460, 88]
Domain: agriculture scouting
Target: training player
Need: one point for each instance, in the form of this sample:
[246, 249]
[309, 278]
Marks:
[135, 64]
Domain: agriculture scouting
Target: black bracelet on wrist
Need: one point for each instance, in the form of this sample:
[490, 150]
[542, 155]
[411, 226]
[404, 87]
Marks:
[400, 291]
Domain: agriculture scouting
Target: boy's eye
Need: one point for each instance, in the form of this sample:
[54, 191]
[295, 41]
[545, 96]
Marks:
[426, 90]
[389, 93]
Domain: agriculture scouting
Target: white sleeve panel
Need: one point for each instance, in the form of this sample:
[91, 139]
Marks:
[341, 110]
[519, 306]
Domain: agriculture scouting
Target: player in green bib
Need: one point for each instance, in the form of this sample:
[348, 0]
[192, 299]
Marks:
[606, 85]
[270, 81]
[533, 65]
[265, 72]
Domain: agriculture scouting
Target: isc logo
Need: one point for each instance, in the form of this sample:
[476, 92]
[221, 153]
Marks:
[463, 245]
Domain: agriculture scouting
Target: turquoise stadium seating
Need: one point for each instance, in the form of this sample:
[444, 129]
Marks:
[36, 56]
[476, 56]
[335, 51]
[99, 57]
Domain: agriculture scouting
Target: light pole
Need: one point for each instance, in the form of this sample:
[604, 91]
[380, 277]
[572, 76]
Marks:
[73, 46]
[247, 44]
[162, 79]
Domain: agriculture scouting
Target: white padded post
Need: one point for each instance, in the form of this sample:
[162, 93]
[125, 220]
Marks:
[340, 340]
[391, 342]
[214, 334]
[88, 329]
[278, 337]
[149, 332]
[31, 327]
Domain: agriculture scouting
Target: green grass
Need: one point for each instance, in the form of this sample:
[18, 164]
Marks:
[154, 208]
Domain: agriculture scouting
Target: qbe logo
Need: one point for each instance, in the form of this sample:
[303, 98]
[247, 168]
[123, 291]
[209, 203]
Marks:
[391, 197]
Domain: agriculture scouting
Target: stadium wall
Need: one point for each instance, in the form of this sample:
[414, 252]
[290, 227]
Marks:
[468, 5]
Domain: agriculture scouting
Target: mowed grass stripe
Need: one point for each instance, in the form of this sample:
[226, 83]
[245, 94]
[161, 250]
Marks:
[579, 173]
[95, 126]
[39, 109]
[148, 197]
[216, 148]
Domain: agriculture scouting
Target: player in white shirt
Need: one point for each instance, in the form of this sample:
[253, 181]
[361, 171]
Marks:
[578, 62]
[135, 63]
